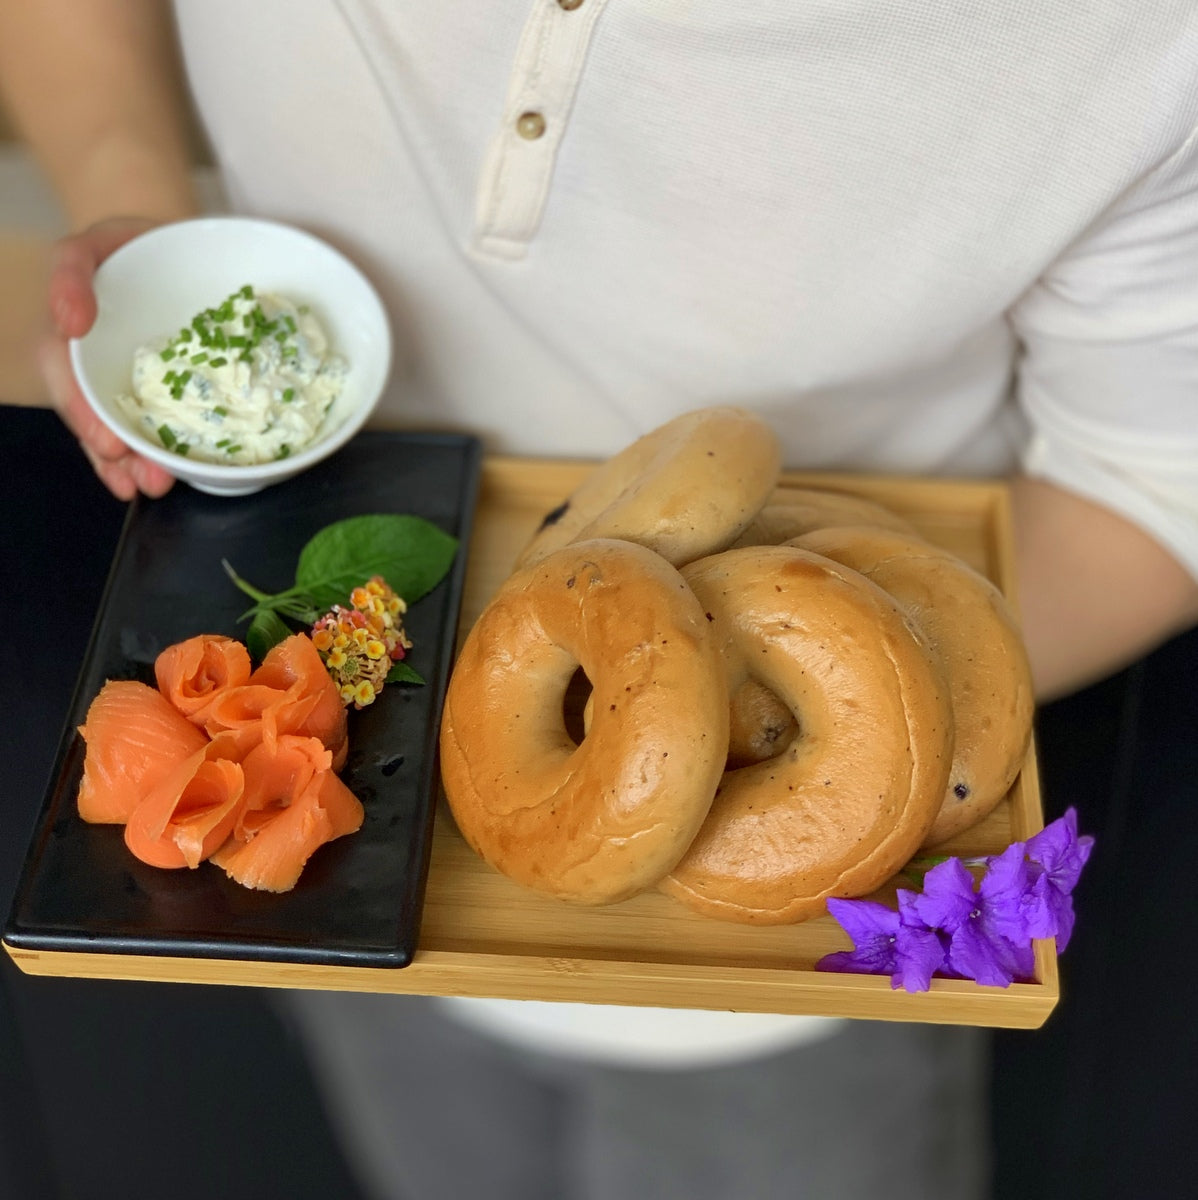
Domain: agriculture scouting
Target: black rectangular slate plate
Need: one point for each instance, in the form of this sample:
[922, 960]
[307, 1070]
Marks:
[359, 899]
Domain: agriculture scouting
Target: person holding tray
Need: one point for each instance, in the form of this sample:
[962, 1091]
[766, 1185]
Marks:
[920, 239]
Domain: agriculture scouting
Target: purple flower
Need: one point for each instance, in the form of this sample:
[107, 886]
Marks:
[922, 952]
[1056, 858]
[873, 928]
[984, 927]
[955, 928]
[882, 945]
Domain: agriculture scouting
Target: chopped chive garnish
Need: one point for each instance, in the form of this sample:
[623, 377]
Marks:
[197, 359]
[218, 361]
[247, 292]
[232, 449]
[223, 443]
[166, 437]
[284, 451]
[289, 321]
[179, 383]
[288, 395]
[181, 448]
[167, 354]
[237, 340]
[221, 411]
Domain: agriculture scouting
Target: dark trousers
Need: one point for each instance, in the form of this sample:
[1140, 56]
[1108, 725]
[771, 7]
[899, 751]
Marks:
[1099, 1102]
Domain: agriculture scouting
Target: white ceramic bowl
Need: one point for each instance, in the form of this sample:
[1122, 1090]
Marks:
[155, 284]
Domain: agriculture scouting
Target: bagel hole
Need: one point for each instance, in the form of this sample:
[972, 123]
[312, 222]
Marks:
[761, 725]
[574, 703]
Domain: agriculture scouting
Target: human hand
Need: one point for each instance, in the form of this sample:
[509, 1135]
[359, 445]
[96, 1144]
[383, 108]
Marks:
[72, 312]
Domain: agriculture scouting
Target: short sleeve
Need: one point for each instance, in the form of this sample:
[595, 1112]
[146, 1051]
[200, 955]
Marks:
[1108, 378]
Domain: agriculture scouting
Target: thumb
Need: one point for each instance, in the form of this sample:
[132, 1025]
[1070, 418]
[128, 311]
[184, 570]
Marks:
[73, 267]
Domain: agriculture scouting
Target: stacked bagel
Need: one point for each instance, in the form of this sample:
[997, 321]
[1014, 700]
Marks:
[786, 701]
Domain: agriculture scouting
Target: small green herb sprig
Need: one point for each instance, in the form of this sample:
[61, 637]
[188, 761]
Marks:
[410, 553]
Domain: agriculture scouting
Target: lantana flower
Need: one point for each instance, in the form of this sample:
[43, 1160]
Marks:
[360, 643]
[963, 929]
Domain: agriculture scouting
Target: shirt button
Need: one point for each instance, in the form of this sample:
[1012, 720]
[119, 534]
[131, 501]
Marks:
[530, 125]
[569, 5]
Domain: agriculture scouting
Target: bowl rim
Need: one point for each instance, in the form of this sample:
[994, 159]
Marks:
[229, 473]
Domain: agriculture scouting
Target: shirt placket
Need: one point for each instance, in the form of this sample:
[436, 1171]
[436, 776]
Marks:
[518, 168]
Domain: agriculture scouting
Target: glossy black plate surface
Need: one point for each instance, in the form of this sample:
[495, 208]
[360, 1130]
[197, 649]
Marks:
[359, 899]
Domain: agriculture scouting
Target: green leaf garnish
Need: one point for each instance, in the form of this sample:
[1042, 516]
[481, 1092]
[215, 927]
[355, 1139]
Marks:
[266, 630]
[402, 673]
[410, 553]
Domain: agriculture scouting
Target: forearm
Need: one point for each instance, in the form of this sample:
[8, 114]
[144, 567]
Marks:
[94, 88]
[1095, 591]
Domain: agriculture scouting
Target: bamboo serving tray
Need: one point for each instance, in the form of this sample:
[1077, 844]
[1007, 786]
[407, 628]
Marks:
[481, 935]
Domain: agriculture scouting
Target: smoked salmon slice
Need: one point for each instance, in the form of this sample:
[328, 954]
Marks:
[191, 674]
[255, 711]
[291, 692]
[275, 773]
[222, 761]
[293, 807]
[190, 813]
[295, 663]
[135, 737]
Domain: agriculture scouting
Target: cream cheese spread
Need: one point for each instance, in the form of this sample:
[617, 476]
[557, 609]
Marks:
[248, 381]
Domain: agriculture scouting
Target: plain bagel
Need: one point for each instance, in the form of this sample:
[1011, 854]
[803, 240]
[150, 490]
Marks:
[855, 792]
[970, 624]
[761, 725]
[686, 489]
[599, 821]
[795, 511]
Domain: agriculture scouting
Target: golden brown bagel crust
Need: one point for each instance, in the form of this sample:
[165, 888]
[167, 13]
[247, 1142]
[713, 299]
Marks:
[597, 822]
[805, 509]
[685, 489]
[971, 625]
[761, 725]
[852, 797]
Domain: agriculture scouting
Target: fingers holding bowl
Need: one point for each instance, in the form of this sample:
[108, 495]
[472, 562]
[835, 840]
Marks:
[72, 310]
